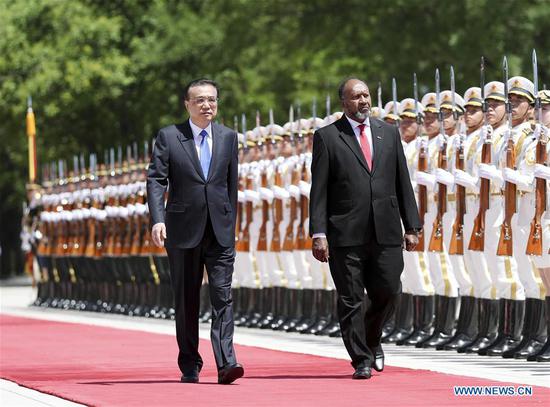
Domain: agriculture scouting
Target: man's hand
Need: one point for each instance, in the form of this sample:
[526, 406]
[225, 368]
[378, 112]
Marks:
[410, 241]
[320, 249]
[158, 233]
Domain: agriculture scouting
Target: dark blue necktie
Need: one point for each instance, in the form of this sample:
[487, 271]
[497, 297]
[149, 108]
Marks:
[205, 154]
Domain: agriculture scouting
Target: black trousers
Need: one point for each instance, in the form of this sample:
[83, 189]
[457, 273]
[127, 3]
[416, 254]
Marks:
[377, 269]
[186, 272]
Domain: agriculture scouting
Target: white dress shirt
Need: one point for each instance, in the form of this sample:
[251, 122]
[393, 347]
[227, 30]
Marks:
[198, 138]
[355, 126]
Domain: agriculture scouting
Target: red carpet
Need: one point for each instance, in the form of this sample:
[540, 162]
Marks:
[112, 367]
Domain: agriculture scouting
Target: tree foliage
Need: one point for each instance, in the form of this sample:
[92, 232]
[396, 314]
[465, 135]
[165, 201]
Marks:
[104, 73]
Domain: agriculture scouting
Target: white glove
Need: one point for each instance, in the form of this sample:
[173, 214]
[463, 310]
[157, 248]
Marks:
[241, 197]
[305, 188]
[466, 180]
[542, 171]
[294, 191]
[444, 177]
[486, 131]
[490, 172]
[252, 196]
[423, 178]
[280, 193]
[524, 182]
[266, 194]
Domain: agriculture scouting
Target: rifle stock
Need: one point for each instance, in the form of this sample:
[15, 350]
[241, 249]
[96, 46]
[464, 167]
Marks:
[262, 239]
[477, 239]
[534, 243]
[505, 243]
[288, 244]
[436, 239]
[457, 237]
[275, 245]
[422, 196]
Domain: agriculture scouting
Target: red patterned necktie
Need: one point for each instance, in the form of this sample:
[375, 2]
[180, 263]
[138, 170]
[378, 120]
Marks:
[365, 146]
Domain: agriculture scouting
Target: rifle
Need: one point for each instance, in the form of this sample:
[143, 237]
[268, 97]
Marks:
[422, 166]
[534, 243]
[457, 237]
[277, 217]
[303, 241]
[243, 243]
[436, 240]
[288, 244]
[505, 243]
[477, 239]
[89, 249]
[262, 240]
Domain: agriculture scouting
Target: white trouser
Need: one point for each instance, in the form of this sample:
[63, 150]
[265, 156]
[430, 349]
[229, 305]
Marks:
[441, 269]
[503, 269]
[527, 271]
[461, 274]
[476, 262]
[415, 278]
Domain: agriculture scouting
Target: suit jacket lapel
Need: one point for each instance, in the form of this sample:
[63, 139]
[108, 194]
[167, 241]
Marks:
[188, 143]
[348, 136]
[377, 142]
[217, 148]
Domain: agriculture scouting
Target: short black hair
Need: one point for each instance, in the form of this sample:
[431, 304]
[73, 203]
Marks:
[343, 85]
[199, 82]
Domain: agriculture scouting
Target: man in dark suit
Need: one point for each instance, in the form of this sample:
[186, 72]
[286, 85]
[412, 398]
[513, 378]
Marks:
[360, 193]
[197, 160]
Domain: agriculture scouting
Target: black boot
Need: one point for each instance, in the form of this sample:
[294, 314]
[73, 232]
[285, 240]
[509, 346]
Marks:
[423, 320]
[235, 295]
[533, 332]
[544, 354]
[324, 307]
[467, 327]
[244, 293]
[510, 329]
[255, 307]
[389, 326]
[281, 305]
[488, 317]
[295, 310]
[269, 309]
[445, 322]
[308, 311]
[333, 327]
[403, 319]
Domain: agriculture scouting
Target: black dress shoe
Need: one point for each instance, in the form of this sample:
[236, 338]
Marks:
[362, 372]
[378, 363]
[191, 376]
[230, 373]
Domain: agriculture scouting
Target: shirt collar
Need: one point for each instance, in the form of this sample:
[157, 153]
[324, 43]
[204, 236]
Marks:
[196, 129]
[355, 124]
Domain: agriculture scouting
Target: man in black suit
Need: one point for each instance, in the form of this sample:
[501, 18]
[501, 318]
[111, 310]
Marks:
[360, 193]
[197, 160]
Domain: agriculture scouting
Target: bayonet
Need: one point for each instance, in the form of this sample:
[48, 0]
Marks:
[380, 97]
[327, 105]
[538, 108]
[438, 103]
[243, 129]
[394, 98]
[416, 109]
[291, 121]
[508, 105]
[271, 124]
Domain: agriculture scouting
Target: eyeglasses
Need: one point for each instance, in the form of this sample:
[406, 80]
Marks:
[202, 100]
